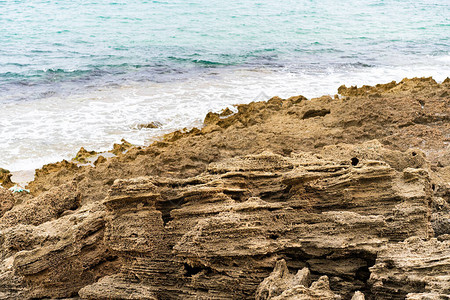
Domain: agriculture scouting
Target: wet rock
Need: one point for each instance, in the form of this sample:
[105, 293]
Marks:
[5, 178]
[83, 155]
[211, 119]
[226, 112]
[101, 159]
[151, 125]
[120, 148]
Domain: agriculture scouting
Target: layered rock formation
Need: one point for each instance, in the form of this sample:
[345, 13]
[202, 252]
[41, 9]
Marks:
[344, 198]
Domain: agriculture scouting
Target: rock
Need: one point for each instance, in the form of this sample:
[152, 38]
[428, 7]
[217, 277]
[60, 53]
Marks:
[151, 125]
[278, 127]
[57, 258]
[211, 119]
[101, 159]
[280, 280]
[83, 155]
[43, 208]
[413, 269]
[315, 113]
[62, 172]
[112, 287]
[217, 233]
[226, 112]
[358, 296]
[173, 136]
[319, 289]
[120, 148]
[5, 179]
[6, 201]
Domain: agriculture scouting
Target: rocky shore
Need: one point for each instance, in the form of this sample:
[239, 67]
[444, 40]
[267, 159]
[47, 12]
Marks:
[343, 197]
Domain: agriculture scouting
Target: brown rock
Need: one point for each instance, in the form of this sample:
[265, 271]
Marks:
[83, 155]
[226, 112]
[43, 208]
[415, 269]
[211, 119]
[101, 159]
[6, 201]
[151, 125]
[57, 258]
[120, 148]
[221, 231]
[281, 280]
[5, 178]
[319, 290]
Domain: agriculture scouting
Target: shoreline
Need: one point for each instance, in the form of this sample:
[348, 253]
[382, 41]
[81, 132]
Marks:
[56, 128]
[23, 177]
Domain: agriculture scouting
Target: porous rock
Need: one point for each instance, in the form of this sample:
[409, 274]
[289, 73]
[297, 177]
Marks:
[6, 201]
[217, 234]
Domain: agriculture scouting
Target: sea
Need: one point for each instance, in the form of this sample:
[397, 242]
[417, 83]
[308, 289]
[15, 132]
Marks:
[89, 72]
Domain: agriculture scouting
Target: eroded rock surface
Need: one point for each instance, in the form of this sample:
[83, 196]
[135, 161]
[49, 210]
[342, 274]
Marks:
[6, 201]
[415, 268]
[286, 199]
[218, 234]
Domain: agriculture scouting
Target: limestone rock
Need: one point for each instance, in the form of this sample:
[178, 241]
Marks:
[122, 147]
[151, 125]
[358, 296]
[42, 208]
[57, 258]
[6, 201]
[415, 269]
[280, 280]
[395, 117]
[5, 178]
[83, 155]
[319, 290]
[113, 287]
[217, 234]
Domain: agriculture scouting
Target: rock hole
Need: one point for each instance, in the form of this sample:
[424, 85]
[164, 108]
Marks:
[414, 154]
[287, 152]
[355, 161]
[273, 236]
[165, 207]
[191, 270]
[363, 274]
[433, 187]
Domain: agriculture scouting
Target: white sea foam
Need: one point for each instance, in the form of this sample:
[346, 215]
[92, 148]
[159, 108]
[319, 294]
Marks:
[33, 133]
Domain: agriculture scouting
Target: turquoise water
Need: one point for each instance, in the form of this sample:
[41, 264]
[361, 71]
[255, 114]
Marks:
[58, 56]
[49, 42]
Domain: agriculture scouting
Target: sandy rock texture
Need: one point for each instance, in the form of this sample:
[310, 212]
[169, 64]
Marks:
[5, 178]
[344, 198]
